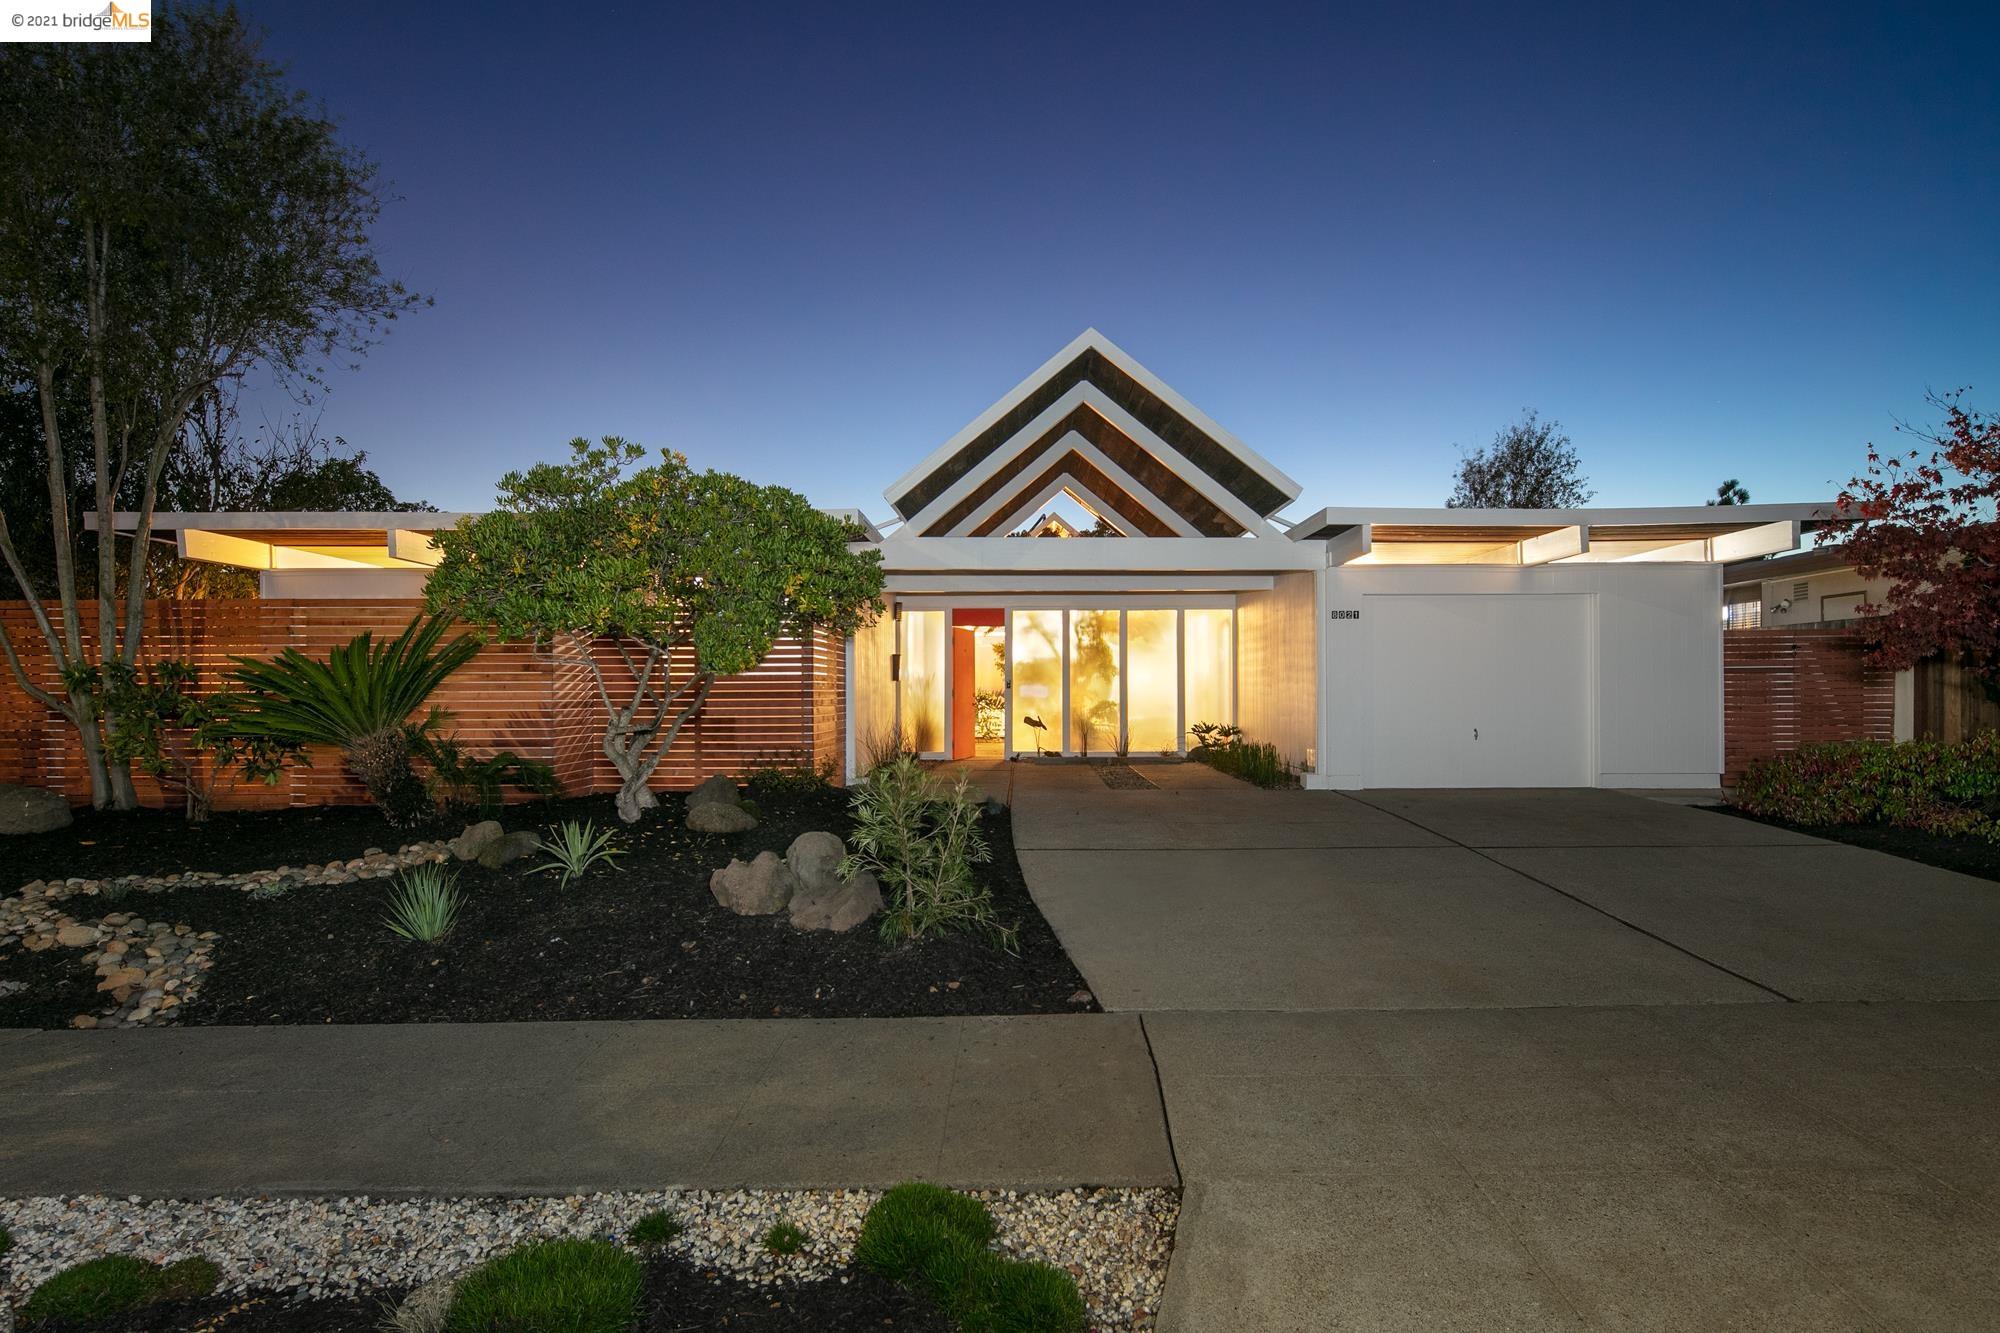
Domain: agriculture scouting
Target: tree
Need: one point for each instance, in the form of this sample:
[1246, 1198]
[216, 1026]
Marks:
[174, 216]
[1731, 492]
[670, 565]
[189, 741]
[1925, 520]
[1529, 465]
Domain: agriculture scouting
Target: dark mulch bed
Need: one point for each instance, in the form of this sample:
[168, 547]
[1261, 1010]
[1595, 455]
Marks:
[1122, 776]
[645, 940]
[1969, 856]
[56, 986]
[678, 1299]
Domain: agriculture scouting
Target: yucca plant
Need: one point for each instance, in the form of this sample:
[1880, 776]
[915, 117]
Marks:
[360, 699]
[573, 848]
[424, 905]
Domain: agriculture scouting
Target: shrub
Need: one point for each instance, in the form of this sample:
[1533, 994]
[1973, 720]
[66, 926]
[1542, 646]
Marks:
[654, 1229]
[116, 1284]
[1951, 789]
[555, 1286]
[361, 699]
[424, 905]
[461, 781]
[574, 848]
[791, 774]
[1224, 748]
[922, 841]
[937, 1242]
[185, 739]
[784, 1238]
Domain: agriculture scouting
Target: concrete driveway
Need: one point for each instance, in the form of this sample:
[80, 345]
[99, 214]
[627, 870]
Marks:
[1532, 1060]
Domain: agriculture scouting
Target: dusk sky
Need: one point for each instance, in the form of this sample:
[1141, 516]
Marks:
[808, 245]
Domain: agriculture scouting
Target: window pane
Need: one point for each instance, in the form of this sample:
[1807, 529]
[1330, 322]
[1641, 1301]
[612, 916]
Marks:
[923, 681]
[1037, 680]
[1151, 683]
[1211, 667]
[1093, 681]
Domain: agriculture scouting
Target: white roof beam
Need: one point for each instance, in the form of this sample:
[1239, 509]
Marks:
[1347, 547]
[1764, 539]
[1561, 544]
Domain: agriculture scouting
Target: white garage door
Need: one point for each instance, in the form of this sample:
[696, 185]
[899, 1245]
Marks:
[1480, 691]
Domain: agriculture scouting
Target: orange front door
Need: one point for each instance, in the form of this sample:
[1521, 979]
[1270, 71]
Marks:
[964, 692]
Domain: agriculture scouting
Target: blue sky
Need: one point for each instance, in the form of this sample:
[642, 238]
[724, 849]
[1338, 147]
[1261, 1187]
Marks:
[809, 244]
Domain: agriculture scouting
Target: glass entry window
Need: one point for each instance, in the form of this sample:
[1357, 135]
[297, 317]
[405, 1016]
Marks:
[922, 674]
[1104, 681]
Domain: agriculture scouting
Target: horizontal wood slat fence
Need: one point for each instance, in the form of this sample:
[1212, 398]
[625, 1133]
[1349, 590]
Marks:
[790, 708]
[1783, 688]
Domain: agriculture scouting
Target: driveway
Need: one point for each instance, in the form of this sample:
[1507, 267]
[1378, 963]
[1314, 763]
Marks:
[1532, 1060]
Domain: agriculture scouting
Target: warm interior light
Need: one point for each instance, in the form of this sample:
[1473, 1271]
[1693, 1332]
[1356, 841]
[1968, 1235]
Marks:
[1095, 660]
[1211, 667]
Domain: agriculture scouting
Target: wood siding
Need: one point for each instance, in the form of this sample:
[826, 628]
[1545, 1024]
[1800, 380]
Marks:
[787, 709]
[1783, 688]
[1949, 703]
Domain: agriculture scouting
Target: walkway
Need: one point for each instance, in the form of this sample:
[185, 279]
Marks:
[1524, 1060]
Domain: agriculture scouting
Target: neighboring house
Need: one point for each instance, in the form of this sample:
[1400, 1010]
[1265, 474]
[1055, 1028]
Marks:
[1375, 647]
[1798, 590]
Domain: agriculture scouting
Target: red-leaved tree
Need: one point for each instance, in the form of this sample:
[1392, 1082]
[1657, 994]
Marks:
[1925, 520]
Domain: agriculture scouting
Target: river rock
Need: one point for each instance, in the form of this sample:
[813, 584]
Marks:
[721, 817]
[815, 858]
[508, 848]
[477, 838]
[718, 790]
[754, 888]
[839, 908]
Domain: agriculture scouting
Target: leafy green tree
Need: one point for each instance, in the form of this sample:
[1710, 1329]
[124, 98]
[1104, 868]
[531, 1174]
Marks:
[186, 739]
[1530, 465]
[174, 216]
[670, 565]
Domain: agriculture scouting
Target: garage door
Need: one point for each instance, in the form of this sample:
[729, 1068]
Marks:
[1480, 691]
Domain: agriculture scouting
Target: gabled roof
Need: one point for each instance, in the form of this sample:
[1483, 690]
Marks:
[1094, 416]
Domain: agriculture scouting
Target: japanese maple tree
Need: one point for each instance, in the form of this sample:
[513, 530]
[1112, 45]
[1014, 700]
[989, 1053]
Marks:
[1925, 520]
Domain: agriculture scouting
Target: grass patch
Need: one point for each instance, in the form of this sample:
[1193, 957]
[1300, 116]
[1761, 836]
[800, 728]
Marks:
[937, 1242]
[555, 1286]
[784, 1238]
[655, 1229]
[116, 1284]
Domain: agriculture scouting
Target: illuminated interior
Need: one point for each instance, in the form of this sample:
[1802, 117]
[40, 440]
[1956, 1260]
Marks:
[1095, 658]
[1152, 653]
[1038, 671]
[1210, 686]
[922, 676]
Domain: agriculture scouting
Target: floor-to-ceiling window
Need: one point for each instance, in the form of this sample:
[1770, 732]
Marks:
[922, 676]
[1095, 658]
[1152, 672]
[1210, 684]
[1037, 722]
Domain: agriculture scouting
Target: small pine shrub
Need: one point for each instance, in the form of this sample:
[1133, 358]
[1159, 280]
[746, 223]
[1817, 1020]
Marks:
[654, 1229]
[555, 1286]
[922, 841]
[784, 1238]
[116, 1284]
[936, 1241]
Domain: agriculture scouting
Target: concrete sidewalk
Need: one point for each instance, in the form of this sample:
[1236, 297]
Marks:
[565, 1107]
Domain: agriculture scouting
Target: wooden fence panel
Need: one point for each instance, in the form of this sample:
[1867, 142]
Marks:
[1949, 703]
[1783, 688]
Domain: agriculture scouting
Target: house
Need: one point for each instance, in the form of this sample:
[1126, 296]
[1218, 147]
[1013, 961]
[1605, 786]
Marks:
[1375, 647]
[1818, 587]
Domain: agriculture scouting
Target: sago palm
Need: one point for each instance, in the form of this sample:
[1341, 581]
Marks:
[360, 699]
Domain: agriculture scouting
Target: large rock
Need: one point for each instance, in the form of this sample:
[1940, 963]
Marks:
[841, 907]
[815, 858]
[720, 817]
[32, 810]
[754, 888]
[508, 848]
[718, 790]
[477, 838]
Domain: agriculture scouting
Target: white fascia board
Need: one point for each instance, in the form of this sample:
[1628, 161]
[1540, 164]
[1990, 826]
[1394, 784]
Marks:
[965, 586]
[1350, 545]
[1765, 539]
[1214, 491]
[1073, 440]
[126, 520]
[1734, 516]
[1082, 494]
[1139, 555]
[1091, 339]
[1558, 545]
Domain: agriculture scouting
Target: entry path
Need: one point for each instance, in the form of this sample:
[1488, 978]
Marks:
[501, 1108]
[1536, 1060]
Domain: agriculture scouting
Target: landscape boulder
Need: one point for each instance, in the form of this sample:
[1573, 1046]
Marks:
[754, 888]
[718, 790]
[840, 908]
[507, 849]
[477, 838]
[815, 858]
[721, 817]
[32, 810]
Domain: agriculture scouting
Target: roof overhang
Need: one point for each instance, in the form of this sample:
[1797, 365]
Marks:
[1704, 534]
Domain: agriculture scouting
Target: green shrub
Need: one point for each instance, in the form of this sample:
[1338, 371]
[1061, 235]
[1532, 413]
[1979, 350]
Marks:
[784, 1238]
[424, 905]
[574, 848]
[922, 841]
[555, 1286]
[654, 1229]
[936, 1242]
[1947, 788]
[1224, 749]
[116, 1284]
[791, 774]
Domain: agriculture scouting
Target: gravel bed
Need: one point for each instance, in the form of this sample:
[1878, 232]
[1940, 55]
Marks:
[1116, 1241]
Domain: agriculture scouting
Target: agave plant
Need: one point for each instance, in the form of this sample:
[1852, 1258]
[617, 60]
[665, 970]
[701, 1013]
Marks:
[424, 905]
[574, 848]
[360, 699]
